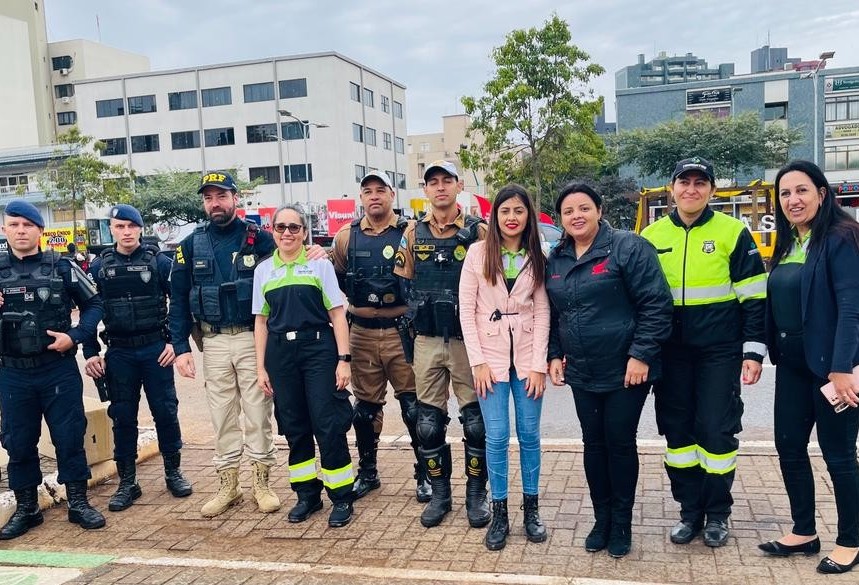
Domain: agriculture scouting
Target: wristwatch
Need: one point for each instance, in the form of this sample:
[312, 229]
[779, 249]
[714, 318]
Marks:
[345, 357]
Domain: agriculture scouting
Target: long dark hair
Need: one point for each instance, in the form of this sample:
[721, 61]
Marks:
[829, 217]
[492, 265]
[569, 189]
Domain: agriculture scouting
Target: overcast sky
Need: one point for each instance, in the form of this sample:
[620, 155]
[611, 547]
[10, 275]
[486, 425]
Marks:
[441, 49]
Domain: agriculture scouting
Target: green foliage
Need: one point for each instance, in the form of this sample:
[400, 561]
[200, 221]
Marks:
[536, 117]
[736, 144]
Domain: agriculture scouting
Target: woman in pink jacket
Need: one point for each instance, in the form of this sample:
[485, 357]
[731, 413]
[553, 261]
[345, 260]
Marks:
[504, 313]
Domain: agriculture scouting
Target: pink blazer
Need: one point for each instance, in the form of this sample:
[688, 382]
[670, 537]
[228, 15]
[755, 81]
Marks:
[488, 342]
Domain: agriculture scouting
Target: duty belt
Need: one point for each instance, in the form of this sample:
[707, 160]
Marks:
[135, 340]
[208, 328]
[302, 334]
[373, 322]
[30, 362]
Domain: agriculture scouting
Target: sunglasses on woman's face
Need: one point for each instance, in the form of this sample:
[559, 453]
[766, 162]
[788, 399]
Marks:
[293, 228]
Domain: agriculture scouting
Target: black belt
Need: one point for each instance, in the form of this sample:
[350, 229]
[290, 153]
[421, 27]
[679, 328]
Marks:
[30, 362]
[373, 322]
[135, 340]
[302, 334]
[228, 329]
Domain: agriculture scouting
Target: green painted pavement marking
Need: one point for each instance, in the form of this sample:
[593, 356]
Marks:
[52, 559]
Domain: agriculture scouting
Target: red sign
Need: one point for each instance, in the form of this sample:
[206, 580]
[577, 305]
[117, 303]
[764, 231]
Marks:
[340, 213]
[266, 217]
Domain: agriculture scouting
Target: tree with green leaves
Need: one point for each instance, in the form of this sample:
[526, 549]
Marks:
[76, 176]
[537, 112]
[736, 144]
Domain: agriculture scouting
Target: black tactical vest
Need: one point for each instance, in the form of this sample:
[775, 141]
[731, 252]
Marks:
[435, 288]
[370, 280]
[134, 299]
[223, 298]
[32, 303]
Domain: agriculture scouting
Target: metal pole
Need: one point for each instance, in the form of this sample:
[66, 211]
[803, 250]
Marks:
[304, 128]
[814, 79]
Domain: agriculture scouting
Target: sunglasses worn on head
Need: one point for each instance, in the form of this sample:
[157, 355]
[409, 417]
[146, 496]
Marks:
[293, 228]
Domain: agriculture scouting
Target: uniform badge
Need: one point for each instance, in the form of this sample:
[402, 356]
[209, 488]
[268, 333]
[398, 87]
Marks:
[28, 296]
[372, 298]
[400, 260]
[249, 261]
[422, 256]
[459, 252]
[709, 246]
[146, 276]
[43, 292]
[389, 298]
[388, 252]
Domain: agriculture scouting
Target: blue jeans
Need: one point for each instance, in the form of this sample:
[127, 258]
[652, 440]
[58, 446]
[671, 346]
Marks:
[496, 419]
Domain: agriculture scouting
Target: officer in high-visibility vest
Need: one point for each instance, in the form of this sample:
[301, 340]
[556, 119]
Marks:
[718, 281]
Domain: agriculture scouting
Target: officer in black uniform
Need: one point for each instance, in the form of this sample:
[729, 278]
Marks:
[39, 375]
[134, 282]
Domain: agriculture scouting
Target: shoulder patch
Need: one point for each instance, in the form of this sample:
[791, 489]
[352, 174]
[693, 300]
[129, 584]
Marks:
[400, 259]
[404, 242]
[180, 258]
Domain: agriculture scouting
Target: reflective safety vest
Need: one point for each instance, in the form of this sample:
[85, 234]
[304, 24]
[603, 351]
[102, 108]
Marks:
[134, 298]
[370, 280]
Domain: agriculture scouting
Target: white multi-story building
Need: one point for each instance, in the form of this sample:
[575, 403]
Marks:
[252, 116]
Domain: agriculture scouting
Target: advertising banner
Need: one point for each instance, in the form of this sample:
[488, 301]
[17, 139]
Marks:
[58, 239]
[340, 213]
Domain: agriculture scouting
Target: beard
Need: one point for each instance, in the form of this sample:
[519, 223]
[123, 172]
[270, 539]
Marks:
[222, 217]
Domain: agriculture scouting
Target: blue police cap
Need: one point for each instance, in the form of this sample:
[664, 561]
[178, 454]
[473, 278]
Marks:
[216, 179]
[21, 208]
[127, 213]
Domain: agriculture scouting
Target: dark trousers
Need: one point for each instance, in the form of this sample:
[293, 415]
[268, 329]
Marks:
[307, 404]
[609, 425]
[54, 391]
[799, 405]
[699, 411]
[127, 369]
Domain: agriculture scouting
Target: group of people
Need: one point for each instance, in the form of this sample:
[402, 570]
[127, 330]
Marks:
[452, 302]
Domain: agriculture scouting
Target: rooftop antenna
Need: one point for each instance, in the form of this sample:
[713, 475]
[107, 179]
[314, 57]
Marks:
[98, 27]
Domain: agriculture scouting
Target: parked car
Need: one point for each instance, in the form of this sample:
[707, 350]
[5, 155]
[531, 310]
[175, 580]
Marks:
[549, 237]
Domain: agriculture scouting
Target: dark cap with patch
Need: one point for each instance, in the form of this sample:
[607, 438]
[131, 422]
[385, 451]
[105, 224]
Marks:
[696, 163]
[25, 209]
[222, 180]
[126, 212]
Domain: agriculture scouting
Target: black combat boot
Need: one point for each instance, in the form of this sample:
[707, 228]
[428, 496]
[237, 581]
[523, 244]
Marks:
[27, 514]
[439, 468]
[176, 482]
[620, 539]
[423, 489]
[535, 530]
[128, 489]
[368, 474]
[496, 536]
[409, 409]
[476, 503]
[80, 512]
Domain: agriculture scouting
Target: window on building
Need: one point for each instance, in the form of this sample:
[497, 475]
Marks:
[357, 133]
[775, 112]
[370, 136]
[422, 167]
[842, 158]
[142, 104]
[64, 62]
[386, 140]
[185, 140]
[355, 91]
[262, 133]
[219, 137]
[293, 131]
[64, 90]
[259, 92]
[360, 171]
[182, 100]
[425, 146]
[398, 110]
[62, 215]
[401, 181]
[14, 184]
[146, 143]
[400, 146]
[293, 88]
[368, 98]
[66, 118]
[114, 146]
[386, 104]
[216, 96]
[842, 108]
[391, 176]
[269, 175]
[298, 173]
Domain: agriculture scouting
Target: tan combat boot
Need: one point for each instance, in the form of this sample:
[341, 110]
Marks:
[228, 494]
[267, 500]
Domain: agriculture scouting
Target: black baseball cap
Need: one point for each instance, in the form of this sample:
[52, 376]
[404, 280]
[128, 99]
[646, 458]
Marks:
[696, 163]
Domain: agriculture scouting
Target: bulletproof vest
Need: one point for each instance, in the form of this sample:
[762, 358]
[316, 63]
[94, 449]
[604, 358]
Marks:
[370, 280]
[134, 299]
[223, 298]
[33, 302]
[435, 287]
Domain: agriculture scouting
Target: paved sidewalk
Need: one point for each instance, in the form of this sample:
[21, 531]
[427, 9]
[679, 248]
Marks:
[165, 540]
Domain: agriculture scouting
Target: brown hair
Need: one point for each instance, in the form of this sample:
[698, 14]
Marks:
[492, 265]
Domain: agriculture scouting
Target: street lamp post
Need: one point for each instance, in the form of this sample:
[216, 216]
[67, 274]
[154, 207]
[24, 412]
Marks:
[824, 56]
[305, 125]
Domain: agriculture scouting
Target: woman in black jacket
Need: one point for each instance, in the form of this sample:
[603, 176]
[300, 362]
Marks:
[611, 310]
[813, 337]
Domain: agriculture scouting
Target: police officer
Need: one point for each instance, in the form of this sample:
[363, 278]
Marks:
[134, 282]
[431, 254]
[363, 256]
[718, 281]
[39, 375]
[212, 282]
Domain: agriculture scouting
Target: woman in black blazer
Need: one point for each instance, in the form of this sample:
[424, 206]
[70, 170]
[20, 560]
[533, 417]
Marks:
[813, 337]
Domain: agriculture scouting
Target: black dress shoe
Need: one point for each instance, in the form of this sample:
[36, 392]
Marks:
[341, 514]
[302, 510]
[716, 533]
[777, 549]
[685, 531]
[830, 567]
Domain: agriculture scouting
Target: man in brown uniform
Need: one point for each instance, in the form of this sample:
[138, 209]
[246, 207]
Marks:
[363, 256]
[430, 255]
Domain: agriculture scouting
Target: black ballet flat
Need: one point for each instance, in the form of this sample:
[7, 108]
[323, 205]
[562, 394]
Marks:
[777, 549]
[830, 567]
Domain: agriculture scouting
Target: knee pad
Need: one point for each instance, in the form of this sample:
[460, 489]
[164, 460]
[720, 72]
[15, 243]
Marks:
[364, 413]
[472, 426]
[409, 408]
[431, 426]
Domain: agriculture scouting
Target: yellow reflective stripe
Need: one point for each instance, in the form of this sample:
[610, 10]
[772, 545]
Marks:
[717, 464]
[682, 457]
[304, 471]
[751, 288]
[703, 294]
[335, 478]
